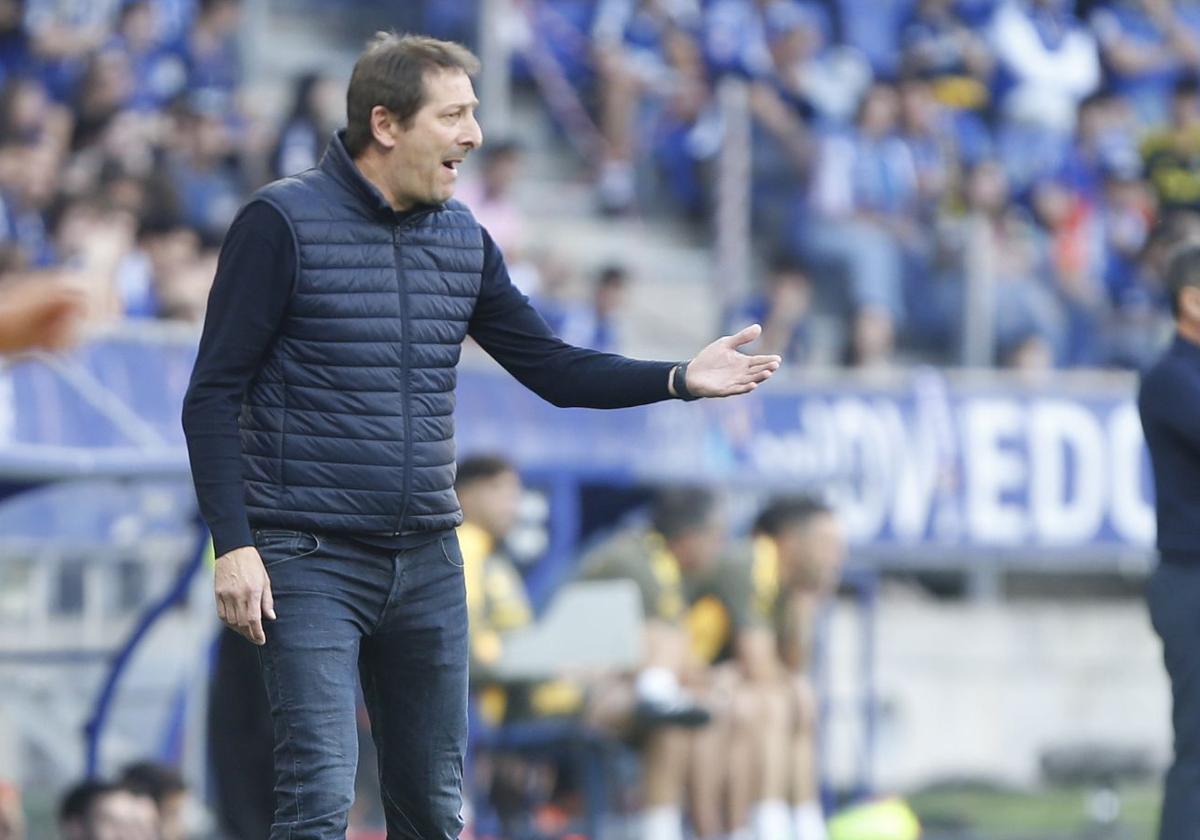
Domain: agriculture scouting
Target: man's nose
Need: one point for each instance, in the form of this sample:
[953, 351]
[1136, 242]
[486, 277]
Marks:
[473, 136]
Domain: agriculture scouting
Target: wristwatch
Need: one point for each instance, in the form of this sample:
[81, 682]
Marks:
[679, 381]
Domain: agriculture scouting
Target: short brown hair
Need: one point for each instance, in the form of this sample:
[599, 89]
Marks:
[391, 72]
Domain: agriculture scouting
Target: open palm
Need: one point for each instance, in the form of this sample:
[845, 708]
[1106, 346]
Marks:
[721, 370]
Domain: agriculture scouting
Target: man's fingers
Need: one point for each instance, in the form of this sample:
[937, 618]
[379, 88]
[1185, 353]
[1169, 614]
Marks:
[222, 610]
[251, 608]
[268, 602]
[256, 633]
[765, 360]
[745, 336]
[770, 367]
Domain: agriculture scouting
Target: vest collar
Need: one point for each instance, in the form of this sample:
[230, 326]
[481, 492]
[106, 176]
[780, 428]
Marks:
[337, 163]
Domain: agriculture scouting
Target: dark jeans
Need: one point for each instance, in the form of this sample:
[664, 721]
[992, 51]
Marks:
[397, 621]
[1174, 597]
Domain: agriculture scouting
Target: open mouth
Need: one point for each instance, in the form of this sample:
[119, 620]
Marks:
[452, 165]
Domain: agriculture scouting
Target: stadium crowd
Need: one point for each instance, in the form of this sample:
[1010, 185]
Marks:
[898, 145]
[897, 148]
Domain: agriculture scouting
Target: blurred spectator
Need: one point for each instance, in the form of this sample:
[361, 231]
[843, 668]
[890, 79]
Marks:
[938, 45]
[158, 71]
[1142, 310]
[1075, 262]
[1147, 45]
[598, 322]
[214, 61]
[785, 310]
[1103, 134]
[16, 58]
[822, 78]
[929, 133]
[62, 34]
[684, 528]
[183, 295]
[204, 171]
[644, 49]
[752, 740]
[166, 787]
[98, 810]
[38, 314]
[73, 808]
[92, 239]
[28, 177]
[991, 235]
[1048, 61]
[1172, 155]
[316, 105]
[1126, 217]
[490, 197]
[873, 27]
[12, 818]
[240, 741]
[798, 550]
[28, 116]
[489, 491]
[163, 249]
[861, 223]
[106, 87]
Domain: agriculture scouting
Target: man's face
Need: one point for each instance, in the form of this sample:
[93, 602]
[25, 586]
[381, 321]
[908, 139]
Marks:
[700, 547]
[493, 503]
[811, 554]
[422, 164]
[121, 815]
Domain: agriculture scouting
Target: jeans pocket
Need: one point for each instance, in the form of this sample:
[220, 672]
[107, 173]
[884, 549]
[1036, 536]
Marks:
[277, 545]
[451, 551]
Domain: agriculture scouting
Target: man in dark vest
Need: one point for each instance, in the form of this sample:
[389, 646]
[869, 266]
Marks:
[1169, 403]
[320, 429]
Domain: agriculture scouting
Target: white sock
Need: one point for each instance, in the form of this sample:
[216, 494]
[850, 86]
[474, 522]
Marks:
[658, 685]
[771, 821]
[664, 822]
[809, 822]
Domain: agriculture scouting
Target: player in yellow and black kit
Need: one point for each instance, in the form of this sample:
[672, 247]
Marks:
[489, 491]
[752, 613]
[699, 608]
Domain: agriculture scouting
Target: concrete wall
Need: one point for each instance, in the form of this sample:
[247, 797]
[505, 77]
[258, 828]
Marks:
[984, 690]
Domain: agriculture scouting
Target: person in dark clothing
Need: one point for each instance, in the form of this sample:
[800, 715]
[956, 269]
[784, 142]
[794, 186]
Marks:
[1169, 404]
[239, 740]
[319, 422]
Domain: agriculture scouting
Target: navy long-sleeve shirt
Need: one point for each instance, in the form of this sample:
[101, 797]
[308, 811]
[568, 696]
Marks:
[249, 298]
[1169, 404]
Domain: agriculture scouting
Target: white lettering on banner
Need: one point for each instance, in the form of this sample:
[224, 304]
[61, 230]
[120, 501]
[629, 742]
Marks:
[1132, 514]
[1044, 471]
[993, 470]
[865, 456]
[1057, 427]
[916, 473]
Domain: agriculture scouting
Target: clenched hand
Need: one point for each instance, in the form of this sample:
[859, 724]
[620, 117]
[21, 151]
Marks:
[243, 592]
[719, 370]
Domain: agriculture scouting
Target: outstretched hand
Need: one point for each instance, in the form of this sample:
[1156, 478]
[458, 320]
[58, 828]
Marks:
[720, 370]
[38, 315]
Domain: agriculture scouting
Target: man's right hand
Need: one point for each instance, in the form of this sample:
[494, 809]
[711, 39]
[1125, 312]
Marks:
[243, 592]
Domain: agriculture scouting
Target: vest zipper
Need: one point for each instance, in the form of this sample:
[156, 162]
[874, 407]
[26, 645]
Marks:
[405, 364]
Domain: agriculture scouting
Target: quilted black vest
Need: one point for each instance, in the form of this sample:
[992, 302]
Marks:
[349, 423]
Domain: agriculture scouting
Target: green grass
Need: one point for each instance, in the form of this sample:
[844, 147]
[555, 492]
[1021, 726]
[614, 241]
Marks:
[1041, 814]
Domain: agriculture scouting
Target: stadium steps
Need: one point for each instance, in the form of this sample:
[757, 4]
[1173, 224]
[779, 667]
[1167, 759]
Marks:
[671, 310]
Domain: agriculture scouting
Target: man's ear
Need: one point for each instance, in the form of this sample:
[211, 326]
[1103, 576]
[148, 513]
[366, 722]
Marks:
[383, 127]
